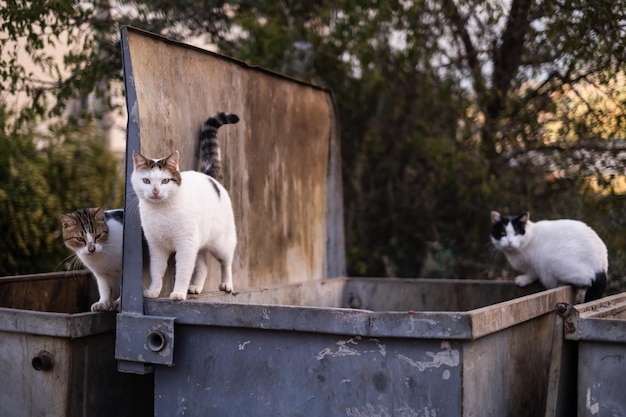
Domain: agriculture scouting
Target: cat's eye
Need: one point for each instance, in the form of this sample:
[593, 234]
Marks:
[503, 233]
[98, 236]
[80, 239]
[146, 181]
[165, 181]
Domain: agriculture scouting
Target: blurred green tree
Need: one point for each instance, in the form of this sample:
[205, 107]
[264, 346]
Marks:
[450, 109]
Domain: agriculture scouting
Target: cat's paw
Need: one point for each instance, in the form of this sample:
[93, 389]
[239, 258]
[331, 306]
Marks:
[226, 287]
[194, 289]
[524, 280]
[102, 306]
[151, 293]
[178, 296]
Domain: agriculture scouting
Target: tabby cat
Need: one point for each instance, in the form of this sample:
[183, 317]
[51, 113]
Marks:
[95, 236]
[554, 252]
[188, 213]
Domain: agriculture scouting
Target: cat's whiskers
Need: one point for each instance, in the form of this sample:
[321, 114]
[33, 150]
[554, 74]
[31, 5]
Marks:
[65, 262]
[72, 263]
[83, 225]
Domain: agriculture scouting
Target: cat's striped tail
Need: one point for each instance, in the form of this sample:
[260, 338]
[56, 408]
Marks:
[209, 151]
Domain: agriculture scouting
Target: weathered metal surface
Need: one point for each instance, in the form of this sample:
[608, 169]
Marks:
[599, 330]
[264, 352]
[601, 379]
[234, 372]
[47, 316]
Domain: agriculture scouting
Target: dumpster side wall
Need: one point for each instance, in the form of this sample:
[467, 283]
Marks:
[82, 382]
[25, 391]
[601, 379]
[506, 373]
[230, 371]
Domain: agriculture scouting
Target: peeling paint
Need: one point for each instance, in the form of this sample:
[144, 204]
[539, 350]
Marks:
[342, 350]
[242, 346]
[350, 348]
[448, 357]
[370, 410]
[592, 407]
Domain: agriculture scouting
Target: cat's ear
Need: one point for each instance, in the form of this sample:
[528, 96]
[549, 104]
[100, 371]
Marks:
[98, 212]
[524, 217]
[173, 160]
[495, 217]
[67, 220]
[139, 161]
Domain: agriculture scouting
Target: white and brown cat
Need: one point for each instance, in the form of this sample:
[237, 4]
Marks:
[95, 236]
[555, 252]
[188, 213]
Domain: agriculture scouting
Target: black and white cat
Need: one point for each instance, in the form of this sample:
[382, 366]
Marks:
[189, 213]
[95, 236]
[555, 252]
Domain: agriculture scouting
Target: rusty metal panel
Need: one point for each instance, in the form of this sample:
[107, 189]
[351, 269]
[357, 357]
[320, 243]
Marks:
[281, 161]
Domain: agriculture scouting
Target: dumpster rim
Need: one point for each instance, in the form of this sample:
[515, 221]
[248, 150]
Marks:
[458, 325]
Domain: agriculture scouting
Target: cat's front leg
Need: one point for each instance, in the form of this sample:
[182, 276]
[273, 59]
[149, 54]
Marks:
[158, 265]
[524, 280]
[105, 290]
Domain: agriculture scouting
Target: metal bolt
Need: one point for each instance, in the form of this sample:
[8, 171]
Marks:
[44, 361]
[156, 341]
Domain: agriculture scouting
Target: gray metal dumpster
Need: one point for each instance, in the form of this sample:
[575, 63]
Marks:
[57, 358]
[299, 338]
[411, 347]
[598, 329]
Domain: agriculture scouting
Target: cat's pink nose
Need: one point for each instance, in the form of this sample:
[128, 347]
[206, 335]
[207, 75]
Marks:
[91, 248]
[155, 192]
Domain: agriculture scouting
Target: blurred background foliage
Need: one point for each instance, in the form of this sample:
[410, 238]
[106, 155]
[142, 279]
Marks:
[45, 174]
[448, 110]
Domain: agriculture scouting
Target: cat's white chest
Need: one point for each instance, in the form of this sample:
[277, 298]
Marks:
[161, 226]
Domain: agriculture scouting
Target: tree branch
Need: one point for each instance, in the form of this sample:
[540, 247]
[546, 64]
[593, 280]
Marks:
[507, 57]
[459, 29]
